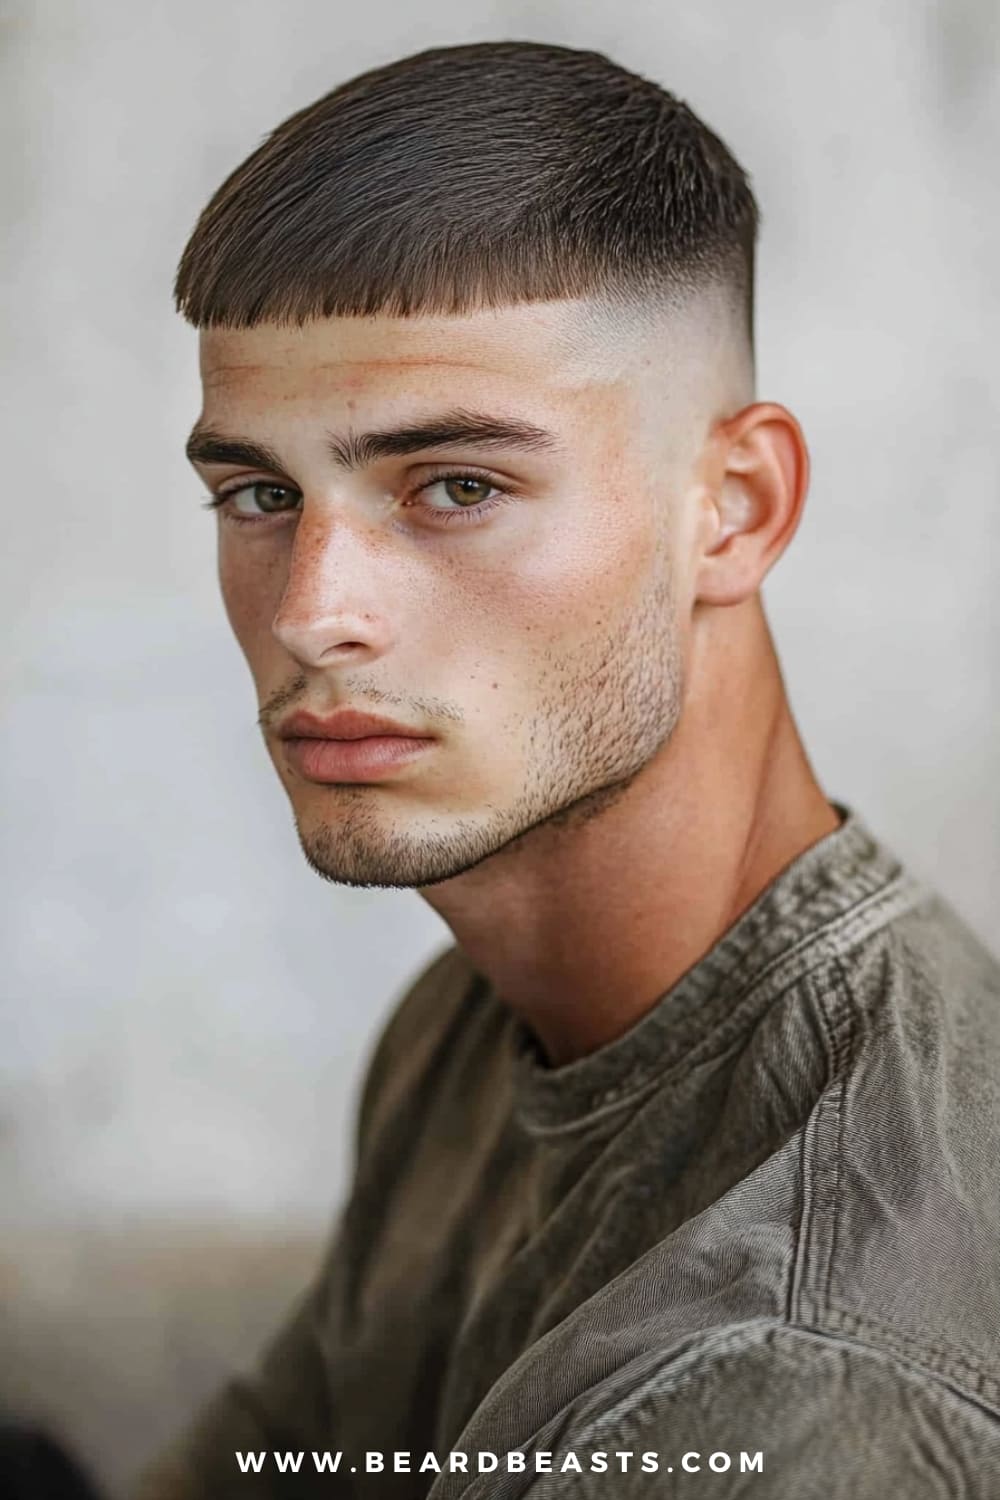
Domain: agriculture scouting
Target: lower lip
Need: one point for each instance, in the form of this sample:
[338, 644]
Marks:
[353, 760]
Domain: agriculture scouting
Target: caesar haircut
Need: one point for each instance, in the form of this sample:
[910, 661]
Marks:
[472, 177]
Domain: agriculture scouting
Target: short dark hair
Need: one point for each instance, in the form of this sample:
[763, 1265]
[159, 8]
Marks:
[470, 177]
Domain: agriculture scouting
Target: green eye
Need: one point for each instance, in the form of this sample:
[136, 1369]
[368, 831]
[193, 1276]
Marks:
[458, 497]
[267, 498]
[467, 490]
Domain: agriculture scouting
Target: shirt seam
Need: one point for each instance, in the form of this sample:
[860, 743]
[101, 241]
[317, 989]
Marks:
[814, 949]
[822, 1145]
[811, 1302]
[621, 1423]
[761, 1333]
[937, 1356]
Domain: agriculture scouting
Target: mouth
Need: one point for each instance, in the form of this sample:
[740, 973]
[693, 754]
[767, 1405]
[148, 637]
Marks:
[366, 758]
[344, 724]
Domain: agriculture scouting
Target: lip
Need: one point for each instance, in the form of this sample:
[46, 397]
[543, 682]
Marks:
[369, 758]
[345, 724]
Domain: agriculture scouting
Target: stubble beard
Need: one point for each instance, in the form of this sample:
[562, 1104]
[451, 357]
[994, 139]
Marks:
[604, 712]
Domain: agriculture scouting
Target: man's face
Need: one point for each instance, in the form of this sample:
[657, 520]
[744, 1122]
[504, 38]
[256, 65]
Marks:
[520, 598]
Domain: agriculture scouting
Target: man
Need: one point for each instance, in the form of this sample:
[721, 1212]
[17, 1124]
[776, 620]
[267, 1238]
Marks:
[677, 1172]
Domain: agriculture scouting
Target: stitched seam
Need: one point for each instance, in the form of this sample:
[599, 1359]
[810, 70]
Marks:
[806, 1228]
[812, 951]
[625, 1420]
[800, 1229]
[838, 934]
[845, 1047]
[822, 1148]
[932, 1352]
[838, 1097]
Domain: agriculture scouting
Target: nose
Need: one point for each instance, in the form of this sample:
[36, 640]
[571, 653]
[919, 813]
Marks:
[335, 575]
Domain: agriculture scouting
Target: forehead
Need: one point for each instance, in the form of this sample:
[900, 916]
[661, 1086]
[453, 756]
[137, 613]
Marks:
[562, 346]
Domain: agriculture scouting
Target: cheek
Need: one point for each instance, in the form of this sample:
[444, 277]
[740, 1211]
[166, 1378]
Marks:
[580, 577]
[250, 583]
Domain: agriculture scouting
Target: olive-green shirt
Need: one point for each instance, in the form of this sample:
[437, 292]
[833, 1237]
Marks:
[765, 1220]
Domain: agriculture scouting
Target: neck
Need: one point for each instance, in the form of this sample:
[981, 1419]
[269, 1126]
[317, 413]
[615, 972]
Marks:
[580, 929]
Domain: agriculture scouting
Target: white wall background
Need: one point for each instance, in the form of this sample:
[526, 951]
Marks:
[186, 1006]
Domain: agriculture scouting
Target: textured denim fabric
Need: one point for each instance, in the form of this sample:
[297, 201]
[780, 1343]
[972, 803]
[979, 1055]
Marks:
[766, 1218]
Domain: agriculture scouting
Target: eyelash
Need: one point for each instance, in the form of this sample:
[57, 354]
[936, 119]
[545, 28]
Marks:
[469, 516]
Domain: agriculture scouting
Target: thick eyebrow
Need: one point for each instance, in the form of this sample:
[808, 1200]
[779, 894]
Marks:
[451, 429]
[206, 446]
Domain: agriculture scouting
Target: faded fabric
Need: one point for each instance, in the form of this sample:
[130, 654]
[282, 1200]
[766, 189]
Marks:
[767, 1217]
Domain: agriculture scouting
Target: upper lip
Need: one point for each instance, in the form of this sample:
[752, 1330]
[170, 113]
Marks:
[345, 724]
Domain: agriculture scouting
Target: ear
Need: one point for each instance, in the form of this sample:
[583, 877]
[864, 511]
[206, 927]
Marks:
[754, 474]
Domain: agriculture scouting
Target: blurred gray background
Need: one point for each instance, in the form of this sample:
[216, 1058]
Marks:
[186, 1007]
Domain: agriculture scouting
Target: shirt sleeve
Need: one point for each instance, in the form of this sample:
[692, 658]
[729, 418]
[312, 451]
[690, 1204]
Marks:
[781, 1413]
[282, 1405]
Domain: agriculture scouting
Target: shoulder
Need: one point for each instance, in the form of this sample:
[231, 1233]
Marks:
[773, 1409]
[927, 966]
[901, 1206]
